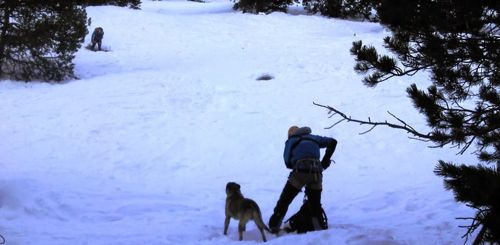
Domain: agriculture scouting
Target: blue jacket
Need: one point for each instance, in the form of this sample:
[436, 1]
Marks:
[305, 145]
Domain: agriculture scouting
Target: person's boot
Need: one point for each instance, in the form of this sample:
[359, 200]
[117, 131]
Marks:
[275, 223]
[287, 195]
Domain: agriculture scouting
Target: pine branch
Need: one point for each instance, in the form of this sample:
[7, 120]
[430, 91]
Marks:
[476, 222]
[467, 145]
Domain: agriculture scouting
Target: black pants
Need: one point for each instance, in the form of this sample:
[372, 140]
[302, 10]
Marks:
[287, 195]
[98, 45]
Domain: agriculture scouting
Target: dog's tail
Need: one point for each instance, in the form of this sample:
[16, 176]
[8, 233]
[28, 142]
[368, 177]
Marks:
[257, 217]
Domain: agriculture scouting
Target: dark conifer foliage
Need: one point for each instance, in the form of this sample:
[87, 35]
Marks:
[261, 6]
[38, 39]
[355, 9]
[134, 4]
[458, 42]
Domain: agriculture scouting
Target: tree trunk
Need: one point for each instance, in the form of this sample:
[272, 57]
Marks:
[5, 23]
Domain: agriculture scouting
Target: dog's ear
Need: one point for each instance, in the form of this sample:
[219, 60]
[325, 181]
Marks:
[238, 185]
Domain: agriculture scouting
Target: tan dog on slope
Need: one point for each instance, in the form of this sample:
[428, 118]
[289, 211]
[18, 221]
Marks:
[242, 209]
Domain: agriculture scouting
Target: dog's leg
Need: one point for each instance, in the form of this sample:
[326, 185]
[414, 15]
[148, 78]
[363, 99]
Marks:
[242, 228]
[226, 224]
[261, 229]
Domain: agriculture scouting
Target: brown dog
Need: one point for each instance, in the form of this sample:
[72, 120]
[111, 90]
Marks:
[242, 209]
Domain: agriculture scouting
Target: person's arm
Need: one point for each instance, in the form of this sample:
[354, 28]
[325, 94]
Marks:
[287, 155]
[330, 149]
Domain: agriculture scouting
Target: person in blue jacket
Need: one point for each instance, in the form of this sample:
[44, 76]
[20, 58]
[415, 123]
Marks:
[302, 156]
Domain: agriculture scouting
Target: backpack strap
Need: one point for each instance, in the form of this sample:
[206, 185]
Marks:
[296, 143]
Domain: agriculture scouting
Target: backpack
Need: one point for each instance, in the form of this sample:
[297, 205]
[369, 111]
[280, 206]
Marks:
[304, 221]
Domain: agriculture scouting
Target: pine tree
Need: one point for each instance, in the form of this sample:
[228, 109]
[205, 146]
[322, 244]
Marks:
[261, 6]
[123, 3]
[356, 9]
[330, 8]
[95, 2]
[458, 43]
[135, 4]
[38, 40]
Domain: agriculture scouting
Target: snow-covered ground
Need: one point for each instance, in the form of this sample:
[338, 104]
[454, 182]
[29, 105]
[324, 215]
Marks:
[140, 148]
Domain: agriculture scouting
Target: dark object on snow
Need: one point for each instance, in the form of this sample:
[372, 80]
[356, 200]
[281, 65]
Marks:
[103, 49]
[265, 77]
[304, 220]
[97, 36]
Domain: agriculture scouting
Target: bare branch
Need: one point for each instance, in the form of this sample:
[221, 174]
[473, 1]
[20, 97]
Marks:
[368, 130]
[403, 126]
[332, 114]
[401, 121]
[335, 124]
[423, 140]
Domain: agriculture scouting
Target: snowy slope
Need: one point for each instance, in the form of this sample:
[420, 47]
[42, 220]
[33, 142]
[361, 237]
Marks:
[139, 149]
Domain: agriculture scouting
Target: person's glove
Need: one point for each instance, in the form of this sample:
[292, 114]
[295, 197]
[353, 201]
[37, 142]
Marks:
[325, 163]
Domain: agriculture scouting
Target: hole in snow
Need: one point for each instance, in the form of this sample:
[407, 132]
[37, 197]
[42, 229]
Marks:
[264, 77]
